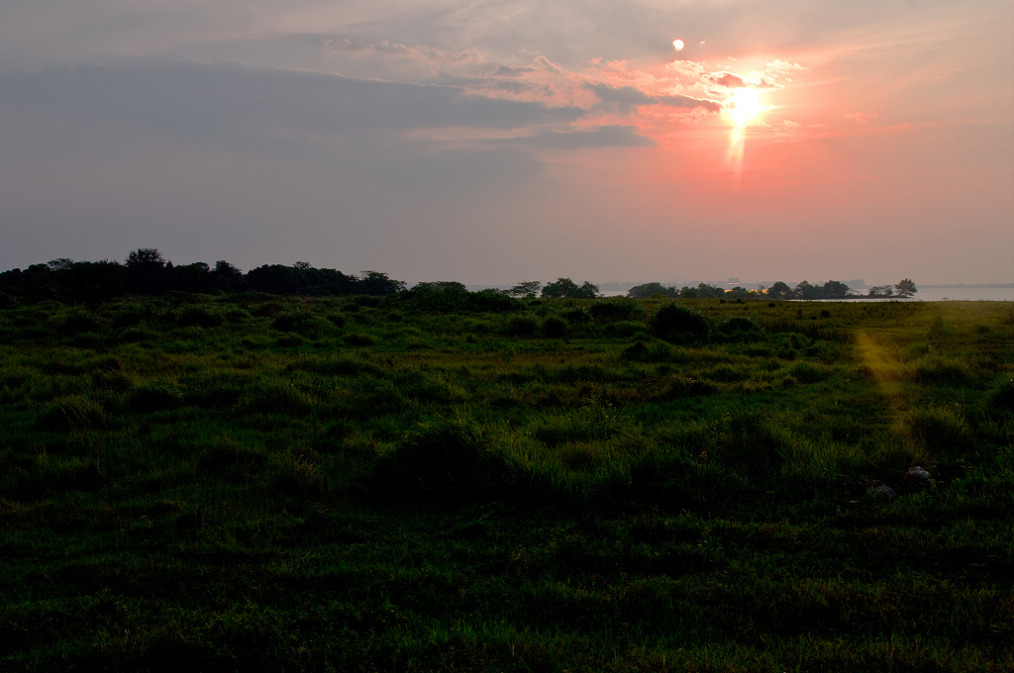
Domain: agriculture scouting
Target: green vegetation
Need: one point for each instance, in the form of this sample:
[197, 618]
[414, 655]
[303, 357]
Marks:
[438, 480]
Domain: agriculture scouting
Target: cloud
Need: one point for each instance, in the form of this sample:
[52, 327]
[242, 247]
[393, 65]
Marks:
[395, 57]
[727, 79]
[207, 100]
[602, 136]
[629, 96]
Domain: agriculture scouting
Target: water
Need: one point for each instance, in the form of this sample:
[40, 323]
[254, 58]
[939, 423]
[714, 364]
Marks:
[964, 293]
[929, 293]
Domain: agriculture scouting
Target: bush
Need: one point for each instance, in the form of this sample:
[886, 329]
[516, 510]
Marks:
[155, 396]
[79, 321]
[679, 324]
[441, 458]
[1002, 396]
[555, 328]
[198, 316]
[616, 310]
[70, 413]
[740, 329]
[521, 326]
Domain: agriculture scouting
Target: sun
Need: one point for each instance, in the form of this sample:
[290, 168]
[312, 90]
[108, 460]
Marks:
[744, 106]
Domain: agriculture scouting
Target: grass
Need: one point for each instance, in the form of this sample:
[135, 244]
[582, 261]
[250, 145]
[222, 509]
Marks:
[261, 483]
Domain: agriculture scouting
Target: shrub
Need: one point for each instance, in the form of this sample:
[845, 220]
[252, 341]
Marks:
[576, 315]
[625, 329]
[79, 321]
[677, 323]
[303, 323]
[740, 329]
[73, 412]
[441, 458]
[155, 396]
[359, 339]
[555, 328]
[521, 326]
[1002, 395]
[638, 352]
[808, 372]
[198, 316]
[613, 311]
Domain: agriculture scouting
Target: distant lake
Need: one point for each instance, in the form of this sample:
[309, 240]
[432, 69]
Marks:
[964, 293]
[932, 293]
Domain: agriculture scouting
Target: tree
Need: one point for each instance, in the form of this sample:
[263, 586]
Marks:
[225, 276]
[806, 291]
[526, 288]
[705, 291]
[146, 271]
[835, 289]
[647, 290]
[563, 287]
[587, 291]
[905, 288]
[377, 283]
[779, 290]
[145, 258]
[880, 291]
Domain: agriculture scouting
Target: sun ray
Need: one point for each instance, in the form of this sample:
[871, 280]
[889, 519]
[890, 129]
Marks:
[743, 108]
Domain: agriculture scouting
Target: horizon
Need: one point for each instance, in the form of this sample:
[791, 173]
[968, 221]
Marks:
[489, 142]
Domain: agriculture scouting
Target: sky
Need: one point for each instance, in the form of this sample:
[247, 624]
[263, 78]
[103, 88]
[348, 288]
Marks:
[494, 141]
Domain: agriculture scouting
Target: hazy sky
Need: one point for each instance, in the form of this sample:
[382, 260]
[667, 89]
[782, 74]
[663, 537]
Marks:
[492, 141]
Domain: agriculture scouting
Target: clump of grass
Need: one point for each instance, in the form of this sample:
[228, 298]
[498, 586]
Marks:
[359, 339]
[274, 396]
[1001, 397]
[70, 413]
[298, 473]
[77, 321]
[304, 323]
[155, 395]
[810, 372]
[198, 316]
[228, 459]
[935, 369]
[939, 430]
[441, 458]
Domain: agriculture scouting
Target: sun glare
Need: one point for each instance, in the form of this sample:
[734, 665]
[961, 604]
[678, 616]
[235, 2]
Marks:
[744, 106]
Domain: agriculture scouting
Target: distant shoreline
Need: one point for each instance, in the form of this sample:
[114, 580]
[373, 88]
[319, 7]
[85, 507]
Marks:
[970, 286]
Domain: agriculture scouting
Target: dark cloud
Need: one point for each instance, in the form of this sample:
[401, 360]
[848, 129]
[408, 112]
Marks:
[628, 96]
[727, 79]
[207, 100]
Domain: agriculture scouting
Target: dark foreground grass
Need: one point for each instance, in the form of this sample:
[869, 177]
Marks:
[253, 483]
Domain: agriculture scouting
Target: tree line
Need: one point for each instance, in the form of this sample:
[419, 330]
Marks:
[832, 289]
[146, 272]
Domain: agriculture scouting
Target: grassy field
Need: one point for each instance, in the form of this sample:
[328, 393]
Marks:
[247, 482]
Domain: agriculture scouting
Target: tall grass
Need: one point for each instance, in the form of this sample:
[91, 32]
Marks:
[263, 483]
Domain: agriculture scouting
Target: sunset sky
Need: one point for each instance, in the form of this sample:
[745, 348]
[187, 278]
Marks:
[491, 141]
